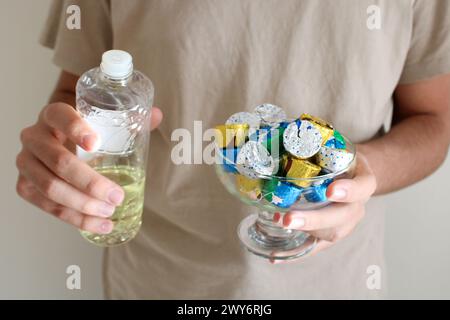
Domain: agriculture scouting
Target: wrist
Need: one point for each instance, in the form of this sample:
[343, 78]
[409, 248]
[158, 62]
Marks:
[365, 152]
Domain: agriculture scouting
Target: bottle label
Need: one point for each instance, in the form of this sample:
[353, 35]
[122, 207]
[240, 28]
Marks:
[117, 129]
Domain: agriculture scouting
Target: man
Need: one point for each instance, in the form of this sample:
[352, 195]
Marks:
[209, 59]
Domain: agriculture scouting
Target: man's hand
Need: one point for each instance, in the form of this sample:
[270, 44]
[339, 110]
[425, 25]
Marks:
[338, 220]
[52, 178]
[416, 145]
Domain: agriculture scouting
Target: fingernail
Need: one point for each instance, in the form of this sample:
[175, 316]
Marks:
[116, 196]
[276, 217]
[88, 142]
[106, 209]
[106, 227]
[296, 223]
[339, 193]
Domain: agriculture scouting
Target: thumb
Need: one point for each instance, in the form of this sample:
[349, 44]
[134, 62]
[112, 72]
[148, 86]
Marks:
[156, 118]
[360, 188]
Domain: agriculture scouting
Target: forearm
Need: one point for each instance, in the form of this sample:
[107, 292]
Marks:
[414, 148]
[65, 92]
[65, 89]
[63, 96]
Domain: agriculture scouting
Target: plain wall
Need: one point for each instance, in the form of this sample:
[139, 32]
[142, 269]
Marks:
[35, 249]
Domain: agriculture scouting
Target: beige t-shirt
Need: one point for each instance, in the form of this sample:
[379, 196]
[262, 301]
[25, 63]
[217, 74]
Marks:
[211, 58]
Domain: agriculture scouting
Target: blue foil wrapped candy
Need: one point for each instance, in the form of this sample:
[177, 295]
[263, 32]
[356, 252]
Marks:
[270, 137]
[280, 193]
[337, 141]
[318, 193]
[229, 159]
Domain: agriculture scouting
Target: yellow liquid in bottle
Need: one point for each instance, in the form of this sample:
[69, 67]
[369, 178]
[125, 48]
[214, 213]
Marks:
[127, 217]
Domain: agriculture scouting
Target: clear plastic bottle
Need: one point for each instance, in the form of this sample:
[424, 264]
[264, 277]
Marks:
[116, 101]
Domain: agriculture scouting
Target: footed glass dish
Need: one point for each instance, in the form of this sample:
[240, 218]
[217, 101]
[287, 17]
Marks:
[276, 193]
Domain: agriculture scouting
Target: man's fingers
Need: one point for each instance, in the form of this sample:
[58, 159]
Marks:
[329, 217]
[360, 188]
[79, 174]
[59, 191]
[156, 118]
[84, 222]
[351, 190]
[331, 235]
[65, 118]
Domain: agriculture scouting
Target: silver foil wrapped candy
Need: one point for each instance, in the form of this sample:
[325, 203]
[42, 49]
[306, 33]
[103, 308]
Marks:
[270, 114]
[245, 118]
[334, 159]
[302, 139]
[253, 160]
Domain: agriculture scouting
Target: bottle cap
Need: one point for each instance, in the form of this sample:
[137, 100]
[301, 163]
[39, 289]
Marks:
[116, 64]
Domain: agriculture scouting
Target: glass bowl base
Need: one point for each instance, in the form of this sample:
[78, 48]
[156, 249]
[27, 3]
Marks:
[274, 243]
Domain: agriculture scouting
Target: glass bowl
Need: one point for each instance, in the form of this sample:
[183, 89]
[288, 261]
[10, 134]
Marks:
[258, 233]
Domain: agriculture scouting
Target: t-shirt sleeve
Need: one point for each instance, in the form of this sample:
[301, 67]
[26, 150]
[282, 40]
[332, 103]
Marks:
[429, 52]
[77, 50]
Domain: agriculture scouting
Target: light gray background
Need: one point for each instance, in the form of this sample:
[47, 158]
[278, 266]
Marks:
[35, 249]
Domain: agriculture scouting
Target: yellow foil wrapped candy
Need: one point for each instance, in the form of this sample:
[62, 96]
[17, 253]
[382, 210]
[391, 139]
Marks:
[234, 134]
[298, 168]
[251, 188]
[326, 129]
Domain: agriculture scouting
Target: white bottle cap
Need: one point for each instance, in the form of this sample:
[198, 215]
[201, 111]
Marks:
[116, 64]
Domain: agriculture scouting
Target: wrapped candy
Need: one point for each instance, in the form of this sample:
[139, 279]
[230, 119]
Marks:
[251, 188]
[305, 148]
[229, 157]
[270, 114]
[318, 193]
[337, 141]
[280, 193]
[326, 129]
[233, 135]
[253, 160]
[298, 168]
[260, 134]
[271, 138]
[334, 159]
[284, 124]
[302, 139]
[244, 118]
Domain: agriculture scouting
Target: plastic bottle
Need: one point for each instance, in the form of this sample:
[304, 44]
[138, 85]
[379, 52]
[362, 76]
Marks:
[116, 101]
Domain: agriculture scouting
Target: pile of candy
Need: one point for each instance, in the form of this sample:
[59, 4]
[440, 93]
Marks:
[268, 152]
